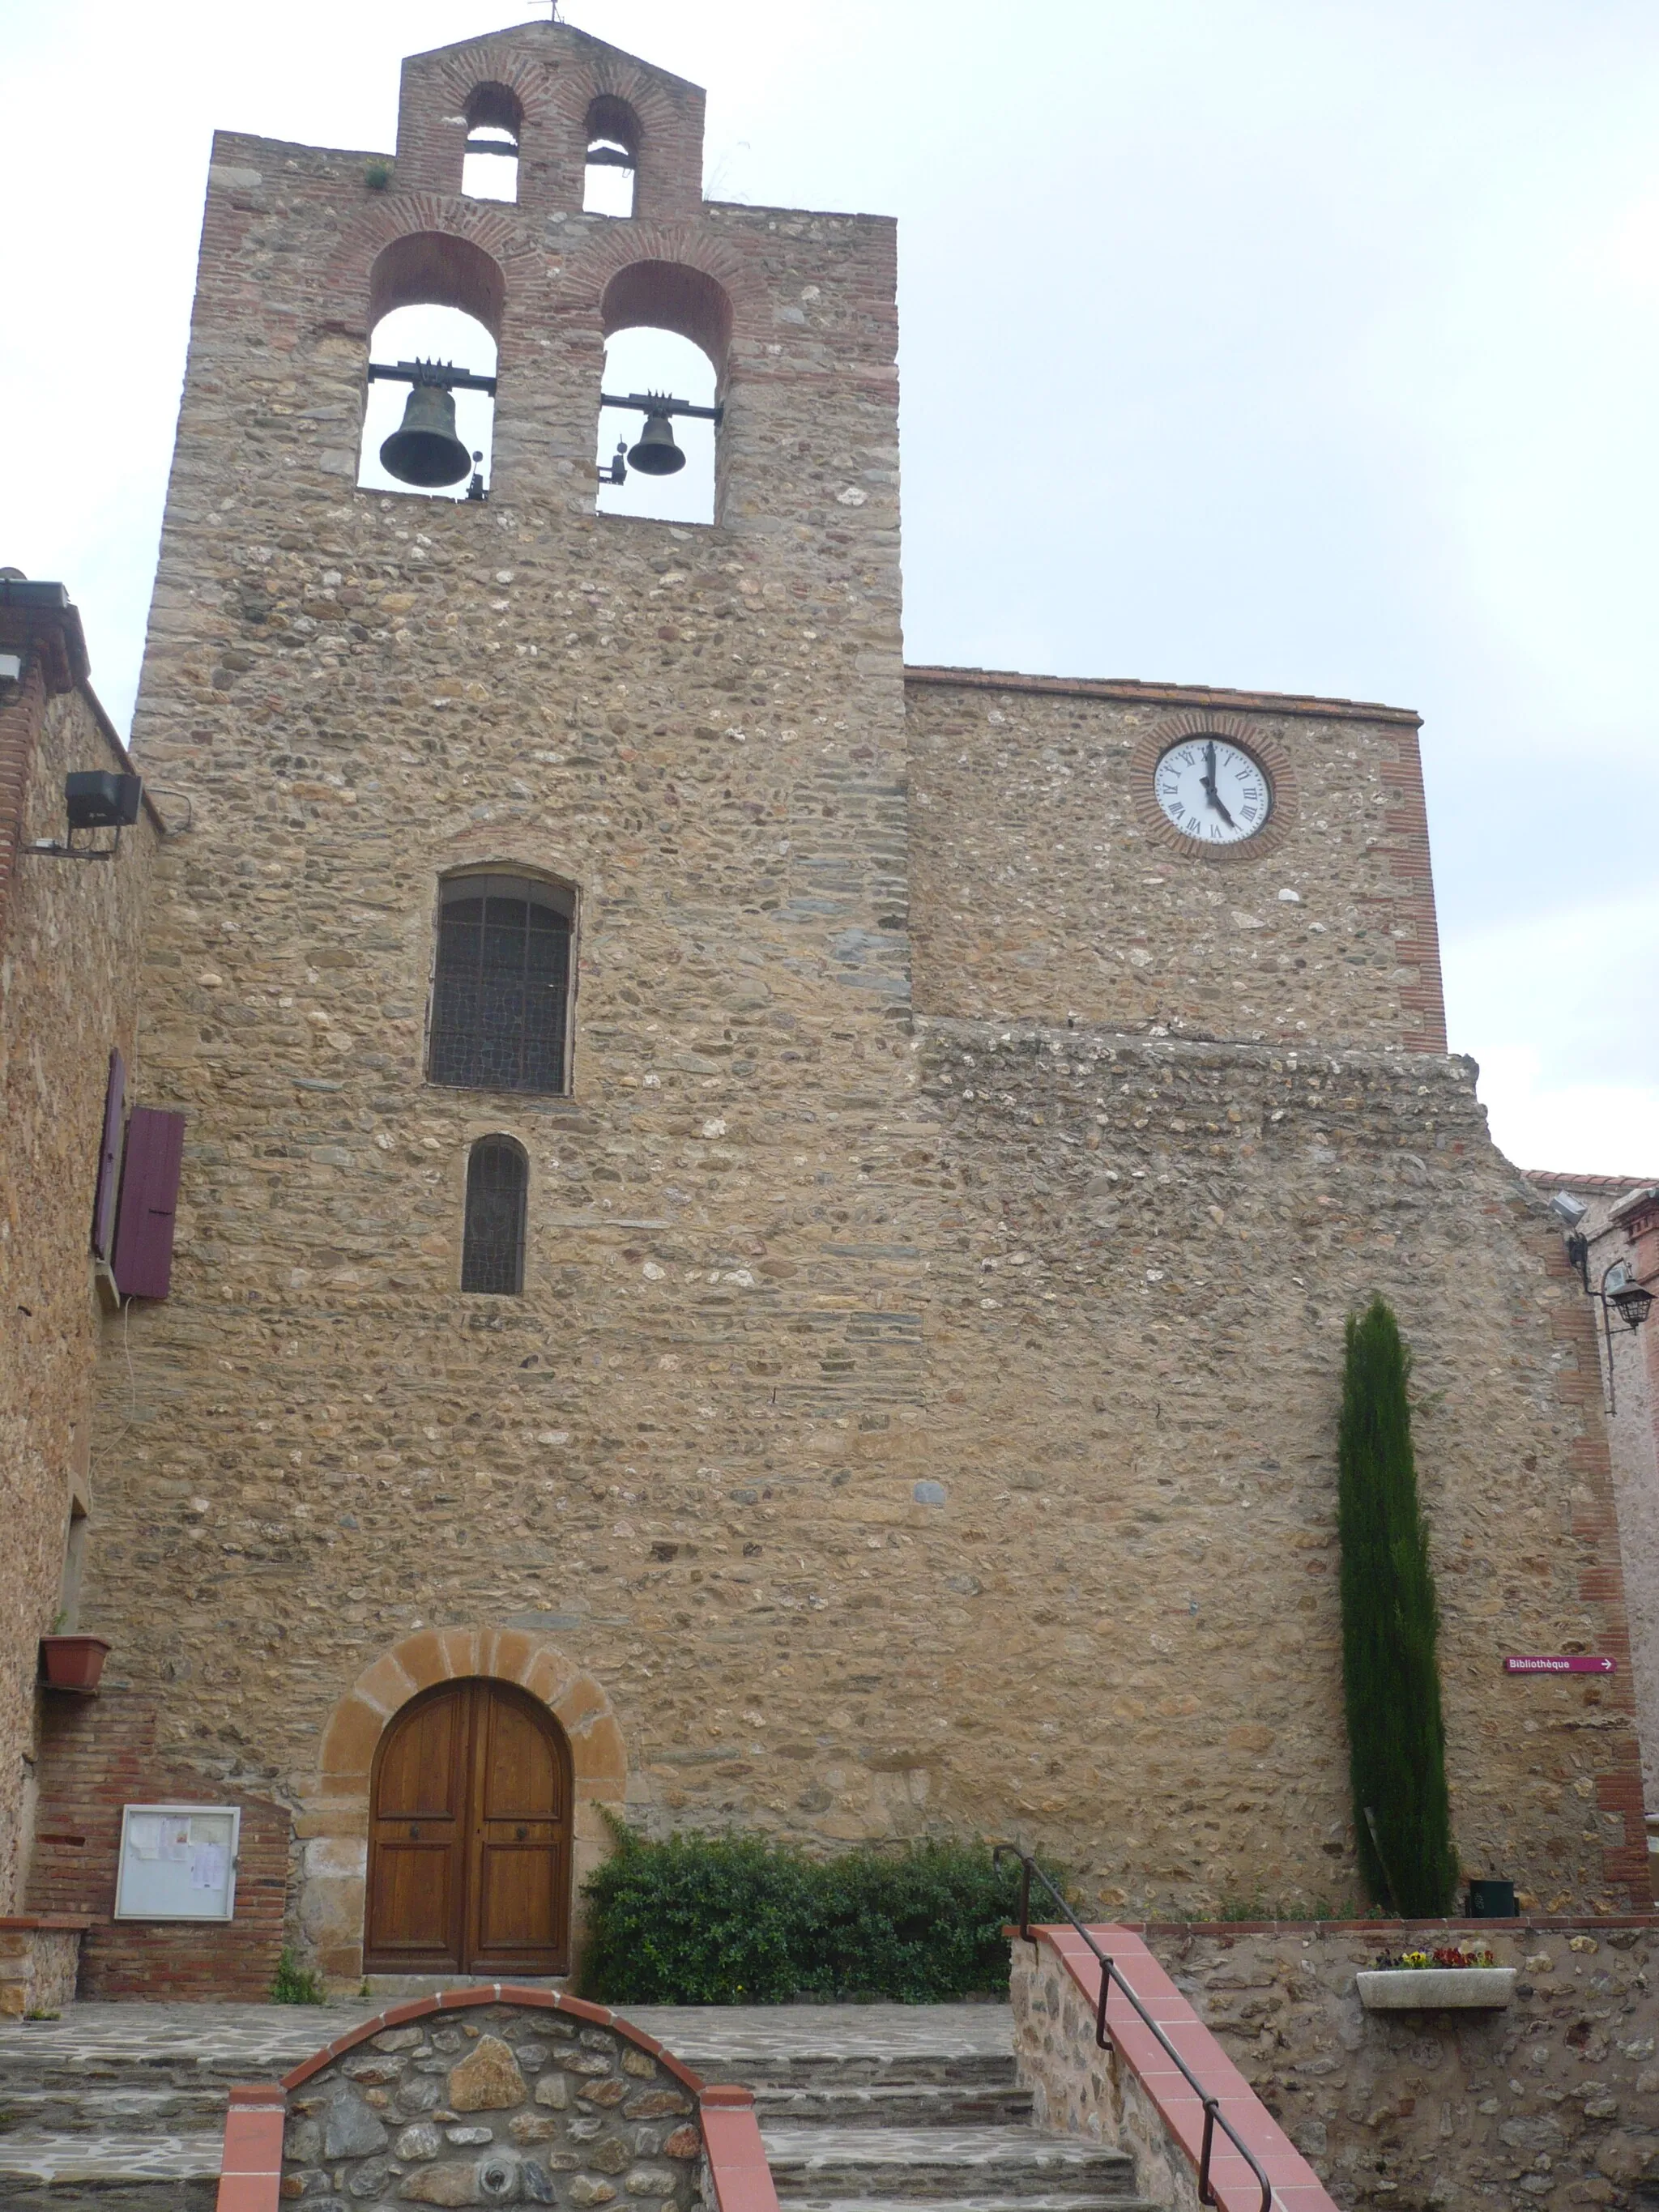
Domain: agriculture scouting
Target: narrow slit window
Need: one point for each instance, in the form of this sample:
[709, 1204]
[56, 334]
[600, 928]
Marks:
[492, 1249]
[501, 987]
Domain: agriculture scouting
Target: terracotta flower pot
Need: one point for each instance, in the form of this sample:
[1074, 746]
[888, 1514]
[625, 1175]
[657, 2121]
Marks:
[72, 1663]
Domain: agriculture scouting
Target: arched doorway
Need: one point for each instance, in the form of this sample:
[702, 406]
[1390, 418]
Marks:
[470, 1836]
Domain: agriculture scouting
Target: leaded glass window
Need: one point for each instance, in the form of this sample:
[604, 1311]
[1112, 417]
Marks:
[492, 1249]
[501, 992]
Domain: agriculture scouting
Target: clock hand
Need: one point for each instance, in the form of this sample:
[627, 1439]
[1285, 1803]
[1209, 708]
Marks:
[1209, 792]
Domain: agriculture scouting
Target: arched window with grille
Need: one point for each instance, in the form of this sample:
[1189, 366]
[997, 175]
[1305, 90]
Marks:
[500, 995]
[492, 1245]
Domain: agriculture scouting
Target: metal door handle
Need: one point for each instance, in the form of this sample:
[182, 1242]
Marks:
[413, 1830]
[521, 1833]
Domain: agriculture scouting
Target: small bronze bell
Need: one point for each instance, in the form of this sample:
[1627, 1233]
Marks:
[426, 451]
[656, 454]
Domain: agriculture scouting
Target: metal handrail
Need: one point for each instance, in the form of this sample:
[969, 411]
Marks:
[1213, 2116]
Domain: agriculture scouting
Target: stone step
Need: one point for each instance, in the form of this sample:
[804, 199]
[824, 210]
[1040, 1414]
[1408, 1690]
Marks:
[100, 2109]
[941, 2163]
[903, 2103]
[980, 2073]
[1080, 2202]
[44, 2171]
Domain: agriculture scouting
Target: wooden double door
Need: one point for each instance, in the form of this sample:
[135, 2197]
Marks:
[469, 1839]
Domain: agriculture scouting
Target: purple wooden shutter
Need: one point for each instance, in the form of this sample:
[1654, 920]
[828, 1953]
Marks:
[149, 1195]
[109, 1158]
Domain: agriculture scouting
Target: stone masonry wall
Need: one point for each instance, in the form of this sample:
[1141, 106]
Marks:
[1115, 1631]
[499, 2105]
[909, 1424]
[69, 933]
[1078, 2089]
[1552, 2102]
[1135, 1317]
[1045, 882]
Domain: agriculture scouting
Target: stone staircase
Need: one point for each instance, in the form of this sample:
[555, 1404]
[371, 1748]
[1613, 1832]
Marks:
[863, 2108]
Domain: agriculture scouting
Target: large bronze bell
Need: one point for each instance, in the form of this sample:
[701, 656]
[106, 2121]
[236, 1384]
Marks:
[426, 451]
[656, 454]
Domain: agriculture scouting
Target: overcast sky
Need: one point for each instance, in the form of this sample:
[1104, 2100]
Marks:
[1306, 344]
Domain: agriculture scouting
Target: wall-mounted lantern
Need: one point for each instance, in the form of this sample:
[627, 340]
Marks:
[1626, 1298]
[94, 799]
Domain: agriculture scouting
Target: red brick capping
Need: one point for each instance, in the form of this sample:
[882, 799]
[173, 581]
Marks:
[1296, 2186]
[737, 2172]
[251, 2164]
[1174, 694]
[252, 2172]
[493, 1993]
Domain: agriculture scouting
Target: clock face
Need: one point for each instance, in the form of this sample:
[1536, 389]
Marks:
[1213, 790]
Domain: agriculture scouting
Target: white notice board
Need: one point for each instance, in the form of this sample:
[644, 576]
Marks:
[178, 1862]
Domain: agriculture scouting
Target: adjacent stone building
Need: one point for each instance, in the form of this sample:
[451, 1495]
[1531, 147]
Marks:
[1621, 1229]
[70, 937]
[765, 1239]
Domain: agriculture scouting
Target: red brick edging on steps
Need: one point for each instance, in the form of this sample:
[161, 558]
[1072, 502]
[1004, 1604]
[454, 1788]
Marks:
[251, 2172]
[1295, 2187]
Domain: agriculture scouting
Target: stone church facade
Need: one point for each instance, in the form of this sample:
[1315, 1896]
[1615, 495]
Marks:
[915, 1411]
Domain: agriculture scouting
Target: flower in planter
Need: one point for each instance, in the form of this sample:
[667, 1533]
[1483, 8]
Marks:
[1446, 1958]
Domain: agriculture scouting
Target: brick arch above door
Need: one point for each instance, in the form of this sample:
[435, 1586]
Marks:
[334, 1822]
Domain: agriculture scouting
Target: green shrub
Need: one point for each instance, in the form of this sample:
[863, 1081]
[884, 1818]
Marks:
[737, 1920]
[297, 1984]
[1391, 1681]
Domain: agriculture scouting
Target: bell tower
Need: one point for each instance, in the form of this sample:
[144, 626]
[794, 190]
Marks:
[436, 680]
[673, 754]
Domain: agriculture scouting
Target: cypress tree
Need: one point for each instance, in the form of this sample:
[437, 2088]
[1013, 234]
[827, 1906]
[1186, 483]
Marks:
[1396, 1736]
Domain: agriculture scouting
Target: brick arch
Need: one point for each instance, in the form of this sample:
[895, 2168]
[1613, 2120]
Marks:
[603, 265]
[490, 228]
[437, 269]
[335, 1865]
[492, 104]
[467, 70]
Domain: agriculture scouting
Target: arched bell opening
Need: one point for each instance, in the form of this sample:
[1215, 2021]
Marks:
[490, 167]
[667, 332]
[613, 152]
[436, 305]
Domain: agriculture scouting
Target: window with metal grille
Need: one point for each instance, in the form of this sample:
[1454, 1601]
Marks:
[492, 1248]
[500, 995]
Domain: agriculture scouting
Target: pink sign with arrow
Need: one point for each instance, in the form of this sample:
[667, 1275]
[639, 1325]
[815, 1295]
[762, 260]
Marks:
[1575, 1663]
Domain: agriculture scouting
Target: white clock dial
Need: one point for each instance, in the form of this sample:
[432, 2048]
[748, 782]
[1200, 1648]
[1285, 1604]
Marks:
[1212, 791]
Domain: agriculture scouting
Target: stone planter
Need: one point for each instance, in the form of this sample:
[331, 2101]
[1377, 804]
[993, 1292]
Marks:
[72, 1663]
[1436, 1989]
